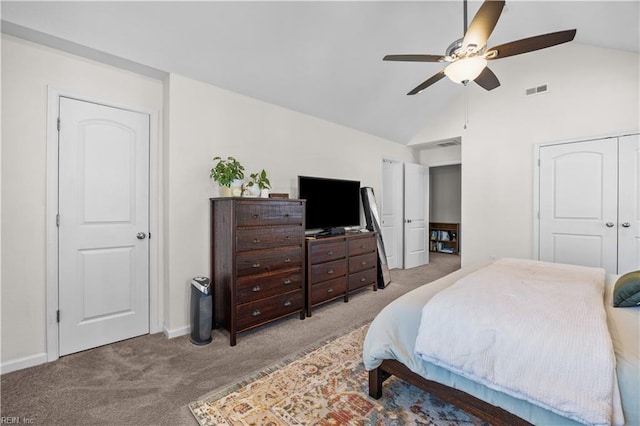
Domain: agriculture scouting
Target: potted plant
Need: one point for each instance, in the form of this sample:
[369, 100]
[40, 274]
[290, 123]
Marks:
[259, 184]
[229, 174]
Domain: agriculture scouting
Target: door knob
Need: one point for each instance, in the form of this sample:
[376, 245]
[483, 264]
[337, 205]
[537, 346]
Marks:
[626, 225]
[609, 224]
[141, 235]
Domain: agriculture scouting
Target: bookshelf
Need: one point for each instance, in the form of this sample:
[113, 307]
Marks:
[444, 237]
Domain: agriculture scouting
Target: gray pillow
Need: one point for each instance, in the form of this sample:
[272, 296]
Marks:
[626, 291]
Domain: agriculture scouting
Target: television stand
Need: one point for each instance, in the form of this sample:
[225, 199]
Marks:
[331, 232]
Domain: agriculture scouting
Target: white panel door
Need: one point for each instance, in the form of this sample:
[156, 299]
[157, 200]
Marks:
[578, 204]
[392, 212]
[104, 221]
[416, 215]
[629, 204]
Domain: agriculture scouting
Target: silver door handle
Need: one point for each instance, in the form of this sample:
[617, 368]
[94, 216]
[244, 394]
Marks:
[626, 225]
[609, 224]
[141, 235]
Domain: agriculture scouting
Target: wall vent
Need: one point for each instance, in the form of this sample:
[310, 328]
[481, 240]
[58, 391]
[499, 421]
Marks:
[537, 90]
[449, 143]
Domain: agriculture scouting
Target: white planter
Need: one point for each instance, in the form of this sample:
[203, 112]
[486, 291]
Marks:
[251, 191]
[264, 193]
[225, 191]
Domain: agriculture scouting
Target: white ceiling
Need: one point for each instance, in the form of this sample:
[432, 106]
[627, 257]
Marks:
[320, 58]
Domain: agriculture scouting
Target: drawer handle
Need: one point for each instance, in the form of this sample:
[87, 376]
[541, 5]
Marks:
[256, 289]
[287, 237]
[287, 260]
[329, 252]
[256, 240]
[288, 303]
[255, 265]
[363, 279]
[364, 262]
[256, 313]
[363, 246]
[330, 271]
[330, 290]
[287, 215]
[287, 281]
[255, 216]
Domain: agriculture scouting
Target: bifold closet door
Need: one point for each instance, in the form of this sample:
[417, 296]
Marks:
[629, 204]
[579, 204]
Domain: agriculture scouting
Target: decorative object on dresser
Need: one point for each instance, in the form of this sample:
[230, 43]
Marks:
[229, 174]
[444, 237]
[337, 266]
[257, 261]
[258, 185]
[373, 224]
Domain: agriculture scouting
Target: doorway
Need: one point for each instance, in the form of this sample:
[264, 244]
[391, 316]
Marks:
[405, 213]
[98, 249]
[445, 193]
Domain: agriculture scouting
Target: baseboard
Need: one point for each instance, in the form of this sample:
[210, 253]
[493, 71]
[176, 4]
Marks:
[21, 363]
[176, 332]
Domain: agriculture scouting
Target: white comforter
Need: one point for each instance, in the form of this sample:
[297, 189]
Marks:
[534, 330]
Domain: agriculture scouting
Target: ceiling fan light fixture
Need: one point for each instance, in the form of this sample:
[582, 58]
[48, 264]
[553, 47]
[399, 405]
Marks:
[465, 69]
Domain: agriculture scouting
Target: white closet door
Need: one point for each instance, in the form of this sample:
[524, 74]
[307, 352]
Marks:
[578, 203]
[416, 212]
[104, 220]
[629, 204]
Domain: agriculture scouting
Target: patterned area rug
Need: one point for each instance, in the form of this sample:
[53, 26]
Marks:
[327, 386]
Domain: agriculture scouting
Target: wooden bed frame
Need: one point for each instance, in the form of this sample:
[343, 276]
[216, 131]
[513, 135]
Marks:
[472, 405]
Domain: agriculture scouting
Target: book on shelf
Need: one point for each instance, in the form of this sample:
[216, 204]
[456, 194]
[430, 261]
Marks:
[439, 235]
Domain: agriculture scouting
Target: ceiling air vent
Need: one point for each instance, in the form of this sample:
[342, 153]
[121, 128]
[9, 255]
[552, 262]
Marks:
[537, 90]
[448, 143]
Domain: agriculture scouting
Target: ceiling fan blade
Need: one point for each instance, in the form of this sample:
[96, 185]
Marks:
[433, 79]
[487, 79]
[483, 24]
[530, 44]
[414, 58]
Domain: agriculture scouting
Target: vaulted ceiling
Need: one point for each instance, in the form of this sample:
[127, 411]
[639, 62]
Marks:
[321, 58]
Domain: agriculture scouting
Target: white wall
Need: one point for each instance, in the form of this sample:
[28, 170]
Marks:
[27, 70]
[205, 121]
[200, 122]
[592, 92]
[445, 194]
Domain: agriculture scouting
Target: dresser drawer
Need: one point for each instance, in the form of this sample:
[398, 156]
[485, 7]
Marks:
[328, 290]
[362, 262]
[328, 270]
[262, 261]
[327, 251]
[361, 245]
[255, 288]
[264, 310]
[255, 213]
[266, 237]
[362, 279]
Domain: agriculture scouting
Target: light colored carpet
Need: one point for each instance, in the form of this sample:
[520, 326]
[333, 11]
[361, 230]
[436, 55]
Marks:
[150, 380]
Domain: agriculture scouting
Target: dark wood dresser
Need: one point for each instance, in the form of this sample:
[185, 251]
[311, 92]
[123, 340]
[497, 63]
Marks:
[257, 261]
[337, 266]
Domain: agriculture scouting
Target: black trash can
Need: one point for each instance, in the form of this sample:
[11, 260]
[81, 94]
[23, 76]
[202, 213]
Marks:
[201, 311]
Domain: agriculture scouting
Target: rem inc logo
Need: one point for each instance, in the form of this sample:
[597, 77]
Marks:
[15, 420]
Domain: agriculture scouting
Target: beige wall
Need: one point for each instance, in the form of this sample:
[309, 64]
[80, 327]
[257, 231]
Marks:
[197, 122]
[205, 121]
[27, 70]
[592, 92]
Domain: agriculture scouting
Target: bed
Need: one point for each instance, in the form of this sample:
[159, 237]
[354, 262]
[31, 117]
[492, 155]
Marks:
[391, 339]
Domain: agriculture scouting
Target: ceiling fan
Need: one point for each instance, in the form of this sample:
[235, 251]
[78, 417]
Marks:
[467, 57]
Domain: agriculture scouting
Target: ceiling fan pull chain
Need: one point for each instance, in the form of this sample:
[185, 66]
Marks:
[466, 106]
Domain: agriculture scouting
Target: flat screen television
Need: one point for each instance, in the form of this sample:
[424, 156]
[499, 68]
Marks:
[332, 204]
